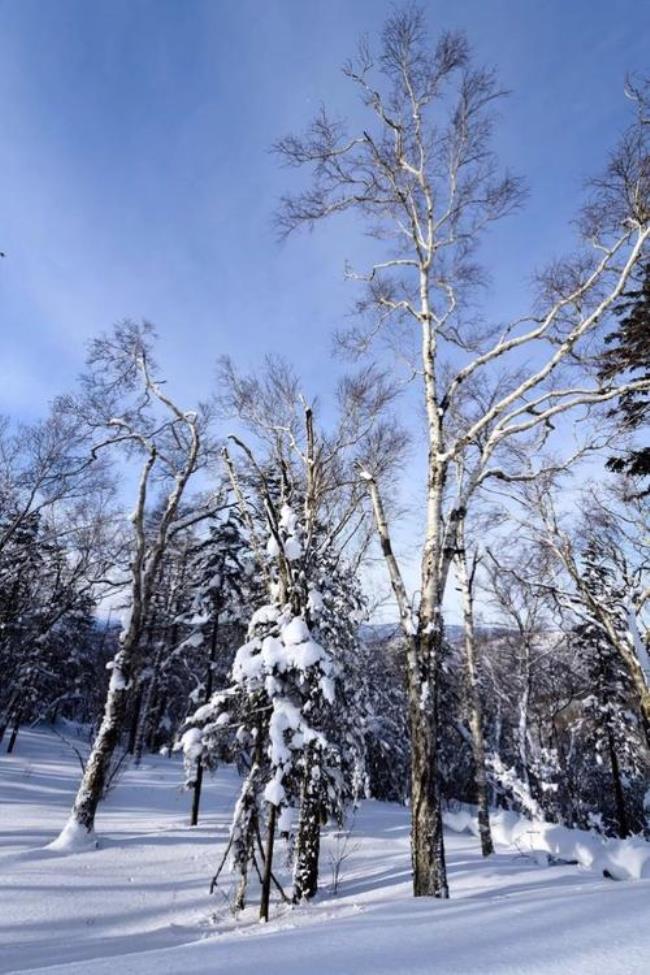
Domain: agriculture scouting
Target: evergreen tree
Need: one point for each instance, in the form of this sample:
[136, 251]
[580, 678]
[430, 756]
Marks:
[46, 620]
[628, 351]
[608, 718]
[292, 715]
[219, 584]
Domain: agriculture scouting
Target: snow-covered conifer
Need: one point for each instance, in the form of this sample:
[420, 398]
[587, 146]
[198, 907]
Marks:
[609, 721]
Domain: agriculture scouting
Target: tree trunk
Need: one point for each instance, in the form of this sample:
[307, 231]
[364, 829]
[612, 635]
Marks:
[619, 795]
[145, 711]
[308, 840]
[429, 867]
[196, 793]
[480, 781]
[14, 734]
[9, 710]
[427, 846]
[147, 643]
[135, 720]
[423, 654]
[497, 795]
[268, 866]
[94, 779]
[474, 697]
[522, 725]
[209, 679]
[242, 886]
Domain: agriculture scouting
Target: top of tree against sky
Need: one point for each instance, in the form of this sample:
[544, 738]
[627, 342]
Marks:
[137, 180]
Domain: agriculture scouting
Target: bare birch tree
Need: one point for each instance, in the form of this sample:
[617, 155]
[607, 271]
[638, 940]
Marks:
[124, 405]
[422, 175]
[45, 467]
[517, 587]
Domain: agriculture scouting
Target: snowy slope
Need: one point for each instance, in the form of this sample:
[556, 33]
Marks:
[143, 896]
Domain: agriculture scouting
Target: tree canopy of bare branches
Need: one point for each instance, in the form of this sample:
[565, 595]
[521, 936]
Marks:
[423, 177]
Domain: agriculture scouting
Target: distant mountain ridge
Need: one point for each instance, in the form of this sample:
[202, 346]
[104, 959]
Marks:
[453, 631]
[383, 631]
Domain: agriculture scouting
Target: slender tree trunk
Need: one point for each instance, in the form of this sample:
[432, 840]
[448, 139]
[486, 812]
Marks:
[196, 793]
[9, 710]
[14, 733]
[429, 868]
[522, 725]
[97, 768]
[248, 832]
[242, 887]
[427, 845]
[209, 680]
[423, 654]
[619, 795]
[268, 866]
[157, 734]
[308, 840]
[497, 797]
[474, 697]
[145, 710]
[135, 719]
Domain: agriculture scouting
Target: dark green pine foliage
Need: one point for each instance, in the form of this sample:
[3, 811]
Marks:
[220, 580]
[609, 722]
[628, 352]
[220, 577]
[46, 623]
[293, 716]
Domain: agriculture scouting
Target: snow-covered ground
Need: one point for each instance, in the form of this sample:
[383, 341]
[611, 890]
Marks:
[139, 904]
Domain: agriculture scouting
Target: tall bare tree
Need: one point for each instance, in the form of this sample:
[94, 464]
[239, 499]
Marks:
[45, 467]
[124, 405]
[422, 175]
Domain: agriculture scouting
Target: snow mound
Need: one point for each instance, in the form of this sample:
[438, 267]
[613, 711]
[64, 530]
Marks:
[73, 838]
[296, 632]
[627, 859]
[192, 744]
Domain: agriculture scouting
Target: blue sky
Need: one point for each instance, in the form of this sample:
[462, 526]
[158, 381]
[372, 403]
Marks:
[135, 176]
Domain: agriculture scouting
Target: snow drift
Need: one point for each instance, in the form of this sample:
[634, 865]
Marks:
[627, 859]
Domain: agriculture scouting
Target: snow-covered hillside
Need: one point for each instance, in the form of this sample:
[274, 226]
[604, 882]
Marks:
[139, 904]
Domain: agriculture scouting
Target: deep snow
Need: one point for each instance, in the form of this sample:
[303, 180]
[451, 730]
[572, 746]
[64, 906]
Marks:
[143, 894]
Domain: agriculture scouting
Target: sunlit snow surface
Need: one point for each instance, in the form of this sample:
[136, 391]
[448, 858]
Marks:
[142, 894]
